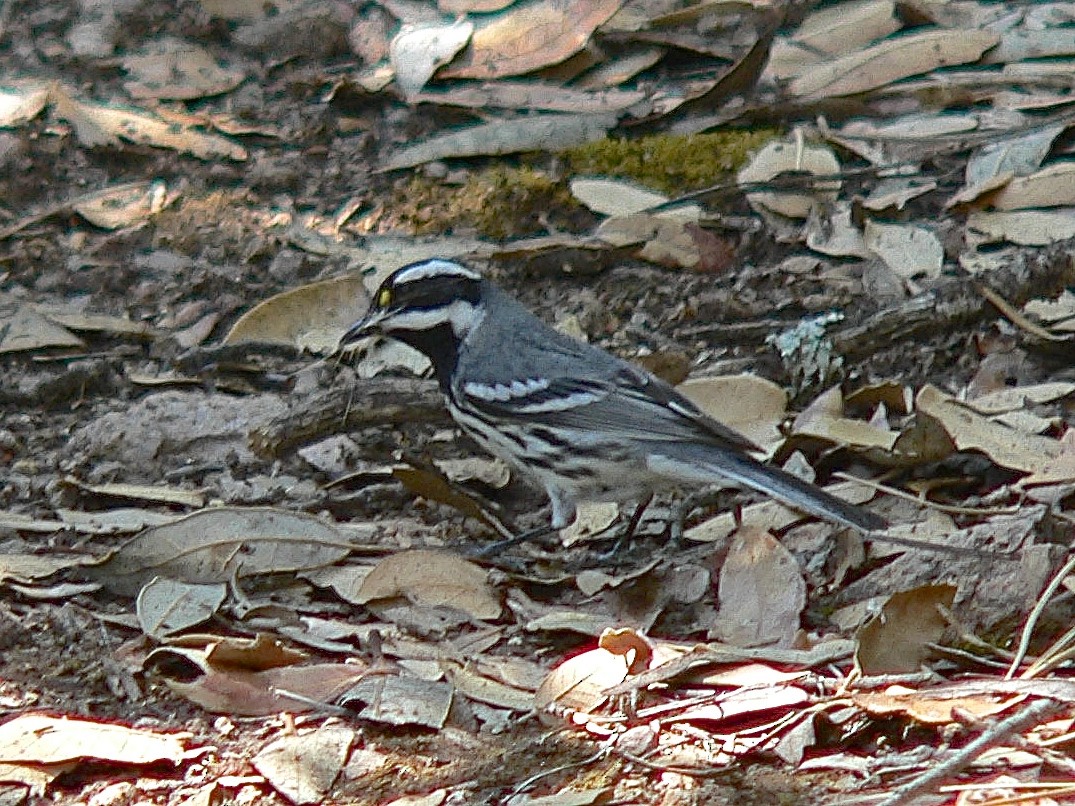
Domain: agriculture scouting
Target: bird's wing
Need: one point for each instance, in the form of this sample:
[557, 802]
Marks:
[628, 403]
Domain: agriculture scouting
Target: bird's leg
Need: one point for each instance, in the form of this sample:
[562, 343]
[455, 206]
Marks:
[682, 509]
[563, 513]
[632, 527]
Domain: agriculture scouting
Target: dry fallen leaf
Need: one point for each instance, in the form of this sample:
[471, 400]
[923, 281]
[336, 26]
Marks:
[434, 798]
[123, 206]
[753, 406]
[19, 567]
[934, 706]
[533, 133]
[915, 126]
[482, 688]
[1025, 227]
[472, 6]
[539, 96]
[153, 493]
[28, 330]
[22, 103]
[834, 231]
[101, 125]
[971, 431]
[218, 544]
[303, 767]
[1052, 186]
[1059, 470]
[911, 251]
[897, 639]
[895, 192]
[175, 69]
[761, 593]
[235, 690]
[744, 703]
[1020, 154]
[780, 157]
[824, 418]
[1012, 398]
[888, 61]
[534, 34]
[592, 518]
[430, 483]
[166, 606]
[417, 51]
[35, 777]
[831, 31]
[44, 739]
[633, 646]
[312, 317]
[400, 700]
[614, 197]
[1024, 42]
[579, 683]
[433, 579]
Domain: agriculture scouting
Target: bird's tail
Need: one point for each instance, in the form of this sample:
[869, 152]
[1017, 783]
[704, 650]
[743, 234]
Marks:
[743, 470]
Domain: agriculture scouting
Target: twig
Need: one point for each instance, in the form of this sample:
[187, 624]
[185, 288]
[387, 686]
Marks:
[533, 779]
[948, 509]
[1035, 614]
[1022, 718]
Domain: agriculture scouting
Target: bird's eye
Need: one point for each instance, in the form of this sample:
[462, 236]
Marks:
[384, 296]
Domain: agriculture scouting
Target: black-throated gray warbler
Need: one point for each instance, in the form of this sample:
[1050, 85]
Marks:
[579, 421]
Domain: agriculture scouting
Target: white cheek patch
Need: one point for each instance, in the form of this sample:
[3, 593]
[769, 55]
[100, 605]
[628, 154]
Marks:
[461, 316]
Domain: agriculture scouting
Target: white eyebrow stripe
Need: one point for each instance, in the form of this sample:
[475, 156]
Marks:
[435, 268]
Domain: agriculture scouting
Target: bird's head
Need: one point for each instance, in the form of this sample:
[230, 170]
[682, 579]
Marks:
[431, 305]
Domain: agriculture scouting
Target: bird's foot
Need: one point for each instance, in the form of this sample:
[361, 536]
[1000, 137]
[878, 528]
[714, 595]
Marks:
[491, 550]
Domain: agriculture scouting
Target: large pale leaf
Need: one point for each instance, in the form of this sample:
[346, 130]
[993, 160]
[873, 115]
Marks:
[1052, 186]
[45, 739]
[891, 60]
[432, 578]
[22, 103]
[101, 125]
[969, 430]
[418, 50]
[1026, 227]
[216, 545]
[533, 133]
[303, 766]
[831, 31]
[534, 34]
[762, 592]
[176, 69]
[28, 330]
[166, 606]
[312, 317]
[898, 639]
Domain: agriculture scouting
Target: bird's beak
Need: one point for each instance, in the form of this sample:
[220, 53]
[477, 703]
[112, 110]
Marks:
[368, 325]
